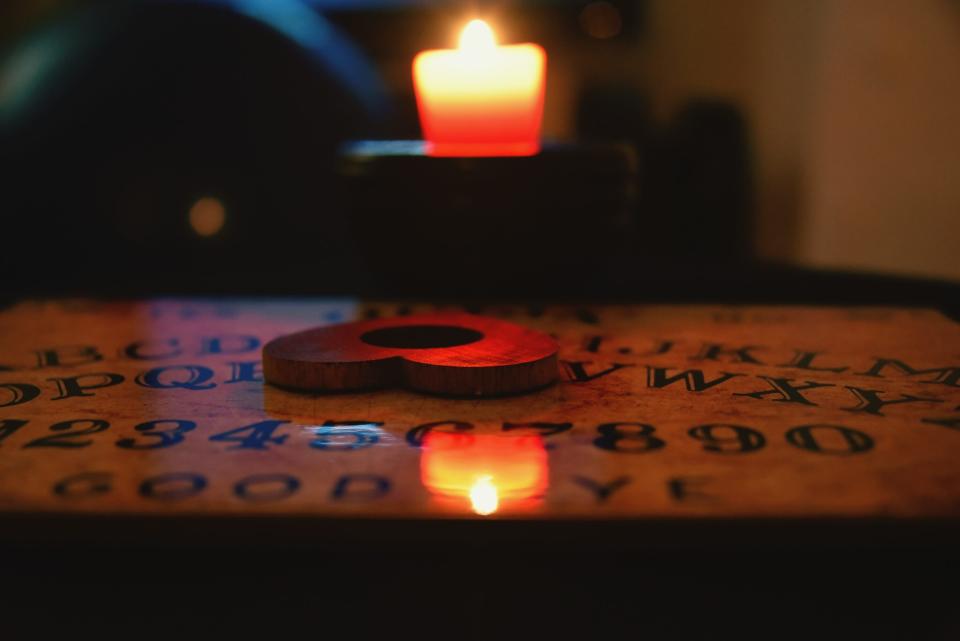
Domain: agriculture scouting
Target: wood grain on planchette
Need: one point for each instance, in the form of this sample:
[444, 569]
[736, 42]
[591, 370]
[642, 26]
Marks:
[453, 354]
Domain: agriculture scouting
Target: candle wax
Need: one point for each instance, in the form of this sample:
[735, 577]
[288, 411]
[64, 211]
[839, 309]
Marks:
[482, 99]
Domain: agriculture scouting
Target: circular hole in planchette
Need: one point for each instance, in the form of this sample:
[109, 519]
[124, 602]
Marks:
[421, 336]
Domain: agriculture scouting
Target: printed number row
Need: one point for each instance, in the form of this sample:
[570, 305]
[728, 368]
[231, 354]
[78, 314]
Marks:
[627, 437]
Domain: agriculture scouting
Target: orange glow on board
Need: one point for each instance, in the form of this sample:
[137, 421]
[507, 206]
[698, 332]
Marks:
[489, 470]
[484, 496]
[482, 99]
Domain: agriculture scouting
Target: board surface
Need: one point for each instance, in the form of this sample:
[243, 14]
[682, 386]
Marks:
[661, 412]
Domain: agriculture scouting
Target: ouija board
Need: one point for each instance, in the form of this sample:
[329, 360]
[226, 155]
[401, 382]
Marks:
[158, 409]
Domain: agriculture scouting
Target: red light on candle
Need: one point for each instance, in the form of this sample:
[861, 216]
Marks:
[482, 99]
[486, 469]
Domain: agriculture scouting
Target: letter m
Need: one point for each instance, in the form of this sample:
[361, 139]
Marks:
[943, 375]
[693, 379]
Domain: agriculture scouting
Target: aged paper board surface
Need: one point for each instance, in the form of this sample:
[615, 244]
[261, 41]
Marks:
[661, 411]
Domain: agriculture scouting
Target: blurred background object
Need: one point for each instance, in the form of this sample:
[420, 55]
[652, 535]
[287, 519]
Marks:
[192, 146]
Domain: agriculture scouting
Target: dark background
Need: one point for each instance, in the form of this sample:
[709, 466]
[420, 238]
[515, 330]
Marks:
[118, 118]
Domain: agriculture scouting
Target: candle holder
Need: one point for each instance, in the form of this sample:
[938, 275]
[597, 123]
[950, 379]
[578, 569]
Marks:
[478, 226]
[480, 204]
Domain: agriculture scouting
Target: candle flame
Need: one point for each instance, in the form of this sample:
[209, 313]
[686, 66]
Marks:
[483, 496]
[477, 36]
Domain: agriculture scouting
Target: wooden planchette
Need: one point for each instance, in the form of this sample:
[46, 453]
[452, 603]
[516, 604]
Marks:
[453, 354]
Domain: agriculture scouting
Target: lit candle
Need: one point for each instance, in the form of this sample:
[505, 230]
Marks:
[482, 99]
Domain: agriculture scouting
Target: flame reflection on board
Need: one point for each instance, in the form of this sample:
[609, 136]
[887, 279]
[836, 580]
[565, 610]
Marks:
[485, 471]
